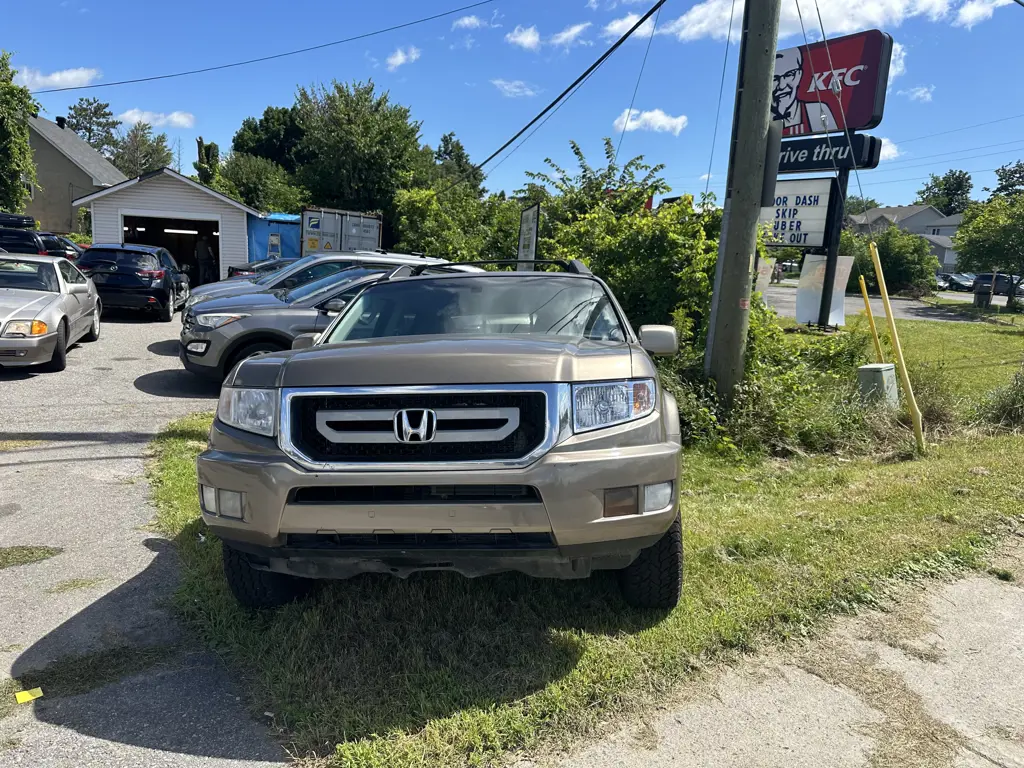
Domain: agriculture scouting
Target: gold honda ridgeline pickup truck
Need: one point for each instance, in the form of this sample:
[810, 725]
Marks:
[475, 422]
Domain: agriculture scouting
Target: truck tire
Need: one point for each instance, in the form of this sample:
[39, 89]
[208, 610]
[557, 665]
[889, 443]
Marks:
[655, 578]
[261, 589]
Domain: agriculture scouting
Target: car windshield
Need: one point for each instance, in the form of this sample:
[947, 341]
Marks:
[134, 259]
[565, 307]
[28, 275]
[275, 275]
[310, 290]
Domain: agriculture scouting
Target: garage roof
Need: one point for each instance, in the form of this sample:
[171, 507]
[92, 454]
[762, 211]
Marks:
[174, 175]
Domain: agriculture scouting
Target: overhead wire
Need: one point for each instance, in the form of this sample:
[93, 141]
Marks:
[274, 56]
[632, 101]
[721, 92]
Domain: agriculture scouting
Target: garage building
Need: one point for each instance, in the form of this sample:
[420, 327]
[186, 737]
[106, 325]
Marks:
[166, 209]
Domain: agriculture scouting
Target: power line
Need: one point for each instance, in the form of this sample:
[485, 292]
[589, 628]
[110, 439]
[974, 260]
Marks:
[944, 162]
[632, 101]
[964, 128]
[721, 91]
[922, 178]
[273, 56]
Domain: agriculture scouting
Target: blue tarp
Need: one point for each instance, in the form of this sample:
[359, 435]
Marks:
[287, 225]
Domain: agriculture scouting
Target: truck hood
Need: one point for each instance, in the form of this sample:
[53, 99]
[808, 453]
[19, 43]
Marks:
[21, 304]
[441, 360]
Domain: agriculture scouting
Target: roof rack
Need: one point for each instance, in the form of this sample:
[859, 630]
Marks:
[575, 266]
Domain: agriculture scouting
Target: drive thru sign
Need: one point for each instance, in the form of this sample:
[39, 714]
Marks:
[800, 213]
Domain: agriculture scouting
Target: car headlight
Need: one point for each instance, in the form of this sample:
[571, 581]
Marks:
[607, 403]
[22, 328]
[254, 410]
[193, 299]
[216, 321]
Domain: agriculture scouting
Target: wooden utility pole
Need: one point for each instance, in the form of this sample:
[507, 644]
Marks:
[730, 302]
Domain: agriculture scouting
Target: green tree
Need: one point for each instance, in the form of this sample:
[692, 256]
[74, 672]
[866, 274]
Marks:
[454, 165]
[950, 193]
[208, 163]
[991, 237]
[262, 184]
[358, 149]
[17, 166]
[450, 225]
[1011, 180]
[857, 204]
[138, 151]
[273, 136]
[907, 262]
[93, 121]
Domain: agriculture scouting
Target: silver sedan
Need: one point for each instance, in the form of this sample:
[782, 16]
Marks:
[46, 305]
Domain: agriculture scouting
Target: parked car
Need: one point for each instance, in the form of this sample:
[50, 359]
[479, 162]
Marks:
[956, 281]
[473, 422]
[72, 250]
[257, 269]
[217, 334]
[306, 270]
[941, 283]
[137, 277]
[17, 240]
[46, 305]
[1004, 284]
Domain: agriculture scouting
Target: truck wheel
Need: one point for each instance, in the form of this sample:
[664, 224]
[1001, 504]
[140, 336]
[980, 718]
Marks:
[655, 578]
[261, 589]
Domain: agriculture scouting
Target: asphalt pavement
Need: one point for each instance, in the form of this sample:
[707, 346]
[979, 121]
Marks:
[782, 298]
[73, 478]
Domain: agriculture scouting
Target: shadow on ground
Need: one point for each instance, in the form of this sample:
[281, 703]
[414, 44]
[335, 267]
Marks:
[165, 348]
[177, 382]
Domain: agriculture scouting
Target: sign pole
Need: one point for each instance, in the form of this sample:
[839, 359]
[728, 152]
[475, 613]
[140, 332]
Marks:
[834, 229]
[725, 352]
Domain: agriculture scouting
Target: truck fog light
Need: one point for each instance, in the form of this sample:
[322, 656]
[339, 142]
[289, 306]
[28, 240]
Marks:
[620, 501]
[197, 347]
[209, 497]
[657, 496]
[229, 504]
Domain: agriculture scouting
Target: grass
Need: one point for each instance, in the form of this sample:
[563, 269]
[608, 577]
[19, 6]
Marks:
[11, 556]
[72, 585]
[441, 670]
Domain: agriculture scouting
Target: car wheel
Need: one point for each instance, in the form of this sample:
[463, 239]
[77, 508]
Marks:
[250, 350]
[59, 361]
[655, 578]
[256, 589]
[94, 330]
[167, 311]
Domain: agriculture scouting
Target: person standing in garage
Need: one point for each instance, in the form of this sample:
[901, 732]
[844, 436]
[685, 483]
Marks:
[204, 256]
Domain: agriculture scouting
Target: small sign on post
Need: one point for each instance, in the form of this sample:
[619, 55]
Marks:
[529, 229]
[800, 214]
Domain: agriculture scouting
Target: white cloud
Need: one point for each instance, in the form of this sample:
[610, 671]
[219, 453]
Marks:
[710, 18]
[176, 119]
[975, 11]
[706, 176]
[524, 37]
[592, 5]
[467, 42]
[514, 89]
[35, 80]
[619, 27]
[570, 35]
[889, 150]
[918, 93]
[402, 56]
[898, 62]
[652, 120]
[469, 22]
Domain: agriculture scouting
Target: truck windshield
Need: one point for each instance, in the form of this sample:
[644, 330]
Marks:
[553, 306]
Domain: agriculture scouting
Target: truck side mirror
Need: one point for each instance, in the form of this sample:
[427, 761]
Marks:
[305, 340]
[659, 339]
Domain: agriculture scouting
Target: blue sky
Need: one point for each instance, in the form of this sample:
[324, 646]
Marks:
[484, 75]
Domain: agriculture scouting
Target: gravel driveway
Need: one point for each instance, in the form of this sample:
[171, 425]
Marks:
[72, 452]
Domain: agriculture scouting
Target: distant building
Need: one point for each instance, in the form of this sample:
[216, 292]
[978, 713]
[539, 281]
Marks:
[924, 220]
[66, 168]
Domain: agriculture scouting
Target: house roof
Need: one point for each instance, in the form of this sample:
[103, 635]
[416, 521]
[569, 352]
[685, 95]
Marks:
[78, 151]
[891, 213]
[174, 175]
[949, 221]
[942, 241]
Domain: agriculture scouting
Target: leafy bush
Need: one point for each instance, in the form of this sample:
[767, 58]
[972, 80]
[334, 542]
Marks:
[939, 404]
[1004, 407]
[907, 262]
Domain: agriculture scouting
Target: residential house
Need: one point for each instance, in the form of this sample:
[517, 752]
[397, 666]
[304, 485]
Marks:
[66, 168]
[924, 220]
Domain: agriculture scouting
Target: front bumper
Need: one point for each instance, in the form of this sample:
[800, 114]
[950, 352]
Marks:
[15, 353]
[571, 481]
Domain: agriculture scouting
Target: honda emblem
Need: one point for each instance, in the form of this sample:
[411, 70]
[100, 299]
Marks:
[415, 425]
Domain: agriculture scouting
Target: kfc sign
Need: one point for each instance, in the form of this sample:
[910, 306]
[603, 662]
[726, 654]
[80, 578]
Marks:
[814, 88]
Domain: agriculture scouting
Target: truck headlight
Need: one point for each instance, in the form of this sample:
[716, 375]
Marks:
[607, 403]
[22, 328]
[216, 321]
[253, 410]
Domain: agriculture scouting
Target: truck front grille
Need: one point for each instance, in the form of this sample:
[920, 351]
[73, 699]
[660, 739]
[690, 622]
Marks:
[445, 427]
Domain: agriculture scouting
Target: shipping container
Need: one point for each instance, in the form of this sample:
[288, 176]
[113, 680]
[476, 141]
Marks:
[326, 229]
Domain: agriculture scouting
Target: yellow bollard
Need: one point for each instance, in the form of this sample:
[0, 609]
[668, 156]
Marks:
[901, 366]
[871, 321]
